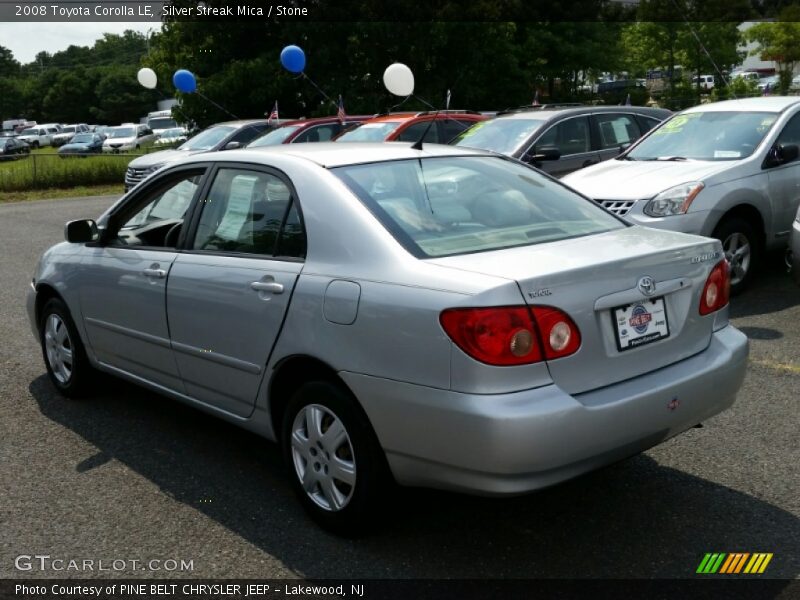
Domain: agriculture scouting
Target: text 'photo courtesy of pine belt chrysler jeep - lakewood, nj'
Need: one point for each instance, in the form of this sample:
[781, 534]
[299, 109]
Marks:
[392, 314]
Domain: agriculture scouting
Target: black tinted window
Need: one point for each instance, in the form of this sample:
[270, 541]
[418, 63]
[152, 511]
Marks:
[293, 238]
[246, 134]
[570, 136]
[451, 128]
[321, 133]
[414, 132]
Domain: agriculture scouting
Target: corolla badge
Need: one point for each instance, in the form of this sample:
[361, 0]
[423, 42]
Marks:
[647, 285]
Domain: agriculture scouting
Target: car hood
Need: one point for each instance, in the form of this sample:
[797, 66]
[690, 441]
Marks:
[633, 180]
[161, 157]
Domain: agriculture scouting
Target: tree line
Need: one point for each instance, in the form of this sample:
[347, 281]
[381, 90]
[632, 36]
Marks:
[486, 64]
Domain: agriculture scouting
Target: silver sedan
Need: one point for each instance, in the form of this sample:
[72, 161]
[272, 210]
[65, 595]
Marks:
[430, 317]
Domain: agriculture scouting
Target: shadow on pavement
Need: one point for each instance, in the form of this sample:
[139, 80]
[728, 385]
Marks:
[633, 519]
[773, 290]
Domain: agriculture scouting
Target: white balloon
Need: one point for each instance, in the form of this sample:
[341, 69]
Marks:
[399, 79]
[147, 78]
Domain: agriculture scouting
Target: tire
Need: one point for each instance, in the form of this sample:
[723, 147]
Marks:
[346, 504]
[58, 335]
[742, 246]
[35, 145]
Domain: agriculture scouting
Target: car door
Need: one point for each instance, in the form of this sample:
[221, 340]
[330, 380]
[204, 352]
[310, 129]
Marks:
[123, 279]
[572, 138]
[614, 132]
[229, 289]
[784, 184]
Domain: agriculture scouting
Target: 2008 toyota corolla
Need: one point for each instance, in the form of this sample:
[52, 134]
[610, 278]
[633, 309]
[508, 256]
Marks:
[437, 317]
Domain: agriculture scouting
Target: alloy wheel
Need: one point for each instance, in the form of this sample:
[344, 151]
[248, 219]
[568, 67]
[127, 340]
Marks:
[323, 458]
[58, 346]
[738, 253]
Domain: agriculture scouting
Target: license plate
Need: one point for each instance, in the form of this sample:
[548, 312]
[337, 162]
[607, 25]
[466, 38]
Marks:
[640, 323]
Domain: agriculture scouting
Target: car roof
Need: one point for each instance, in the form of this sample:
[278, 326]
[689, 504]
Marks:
[547, 113]
[332, 154]
[322, 120]
[774, 104]
[399, 117]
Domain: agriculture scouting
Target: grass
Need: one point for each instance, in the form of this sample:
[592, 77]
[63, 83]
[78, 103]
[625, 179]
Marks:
[71, 192]
[46, 170]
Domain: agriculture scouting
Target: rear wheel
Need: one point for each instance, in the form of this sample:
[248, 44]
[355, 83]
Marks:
[64, 356]
[337, 466]
[34, 145]
[742, 248]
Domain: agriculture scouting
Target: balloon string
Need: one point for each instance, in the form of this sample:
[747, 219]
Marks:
[425, 102]
[222, 108]
[311, 81]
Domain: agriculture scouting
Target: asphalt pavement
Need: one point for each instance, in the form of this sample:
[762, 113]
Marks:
[129, 475]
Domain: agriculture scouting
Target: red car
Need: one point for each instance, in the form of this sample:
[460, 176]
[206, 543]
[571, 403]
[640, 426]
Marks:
[409, 127]
[321, 129]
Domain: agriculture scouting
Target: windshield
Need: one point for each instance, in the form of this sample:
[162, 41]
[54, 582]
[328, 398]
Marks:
[68, 130]
[121, 132]
[369, 132]
[206, 140]
[706, 136]
[459, 205]
[82, 138]
[274, 137]
[499, 135]
[162, 123]
[30, 131]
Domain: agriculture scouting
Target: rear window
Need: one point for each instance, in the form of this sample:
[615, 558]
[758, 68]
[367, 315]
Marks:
[460, 205]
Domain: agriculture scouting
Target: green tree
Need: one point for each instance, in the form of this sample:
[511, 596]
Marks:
[779, 41]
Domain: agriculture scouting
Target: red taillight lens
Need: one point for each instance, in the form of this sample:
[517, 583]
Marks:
[717, 289]
[508, 335]
[560, 335]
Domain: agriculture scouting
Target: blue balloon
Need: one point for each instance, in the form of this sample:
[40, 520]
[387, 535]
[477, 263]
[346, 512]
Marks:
[293, 59]
[184, 80]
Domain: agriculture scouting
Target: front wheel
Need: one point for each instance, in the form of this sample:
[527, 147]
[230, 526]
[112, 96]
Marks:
[741, 245]
[64, 356]
[338, 469]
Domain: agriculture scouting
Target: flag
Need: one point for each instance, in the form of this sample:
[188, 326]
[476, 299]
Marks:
[340, 114]
[535, 99]
[447, 101]
[628, 100]
[274, 113]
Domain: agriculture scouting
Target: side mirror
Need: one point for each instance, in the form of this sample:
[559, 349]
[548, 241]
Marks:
[540, 154]
[81, 231]
[232, 146]
[780, 154]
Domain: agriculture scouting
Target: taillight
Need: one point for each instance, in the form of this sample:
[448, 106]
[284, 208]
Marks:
[717, 289]
[511, 335]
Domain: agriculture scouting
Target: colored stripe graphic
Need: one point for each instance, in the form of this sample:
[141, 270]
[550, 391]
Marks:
[734, 563]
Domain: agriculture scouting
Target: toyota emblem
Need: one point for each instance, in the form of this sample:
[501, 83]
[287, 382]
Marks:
[647, 285]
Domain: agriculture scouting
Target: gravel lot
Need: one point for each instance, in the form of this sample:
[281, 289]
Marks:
[131, 475]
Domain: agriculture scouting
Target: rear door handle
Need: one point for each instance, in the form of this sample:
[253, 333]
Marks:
[267, 286]
[153, 272]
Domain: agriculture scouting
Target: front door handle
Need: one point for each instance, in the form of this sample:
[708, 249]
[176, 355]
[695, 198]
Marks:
[267, 286]
[154, 271]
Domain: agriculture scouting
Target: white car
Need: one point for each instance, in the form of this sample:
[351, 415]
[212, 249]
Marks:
[127, 137]
[728, 170]
[68, 132]
[38, 137]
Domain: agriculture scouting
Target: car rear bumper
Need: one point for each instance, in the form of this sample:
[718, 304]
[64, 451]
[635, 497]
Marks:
[513, 443]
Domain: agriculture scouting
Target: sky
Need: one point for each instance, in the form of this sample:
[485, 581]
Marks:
[26, 40]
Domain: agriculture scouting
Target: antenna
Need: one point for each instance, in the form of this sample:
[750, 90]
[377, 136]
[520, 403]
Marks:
[418, 144]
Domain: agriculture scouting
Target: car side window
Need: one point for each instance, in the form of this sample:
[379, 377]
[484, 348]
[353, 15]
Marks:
[154, 218]
[320, 133]
[570, 136]
[250, 212]
[414, 132]
[791, 132]
[616, 129]
[246, 134]
[453, 127]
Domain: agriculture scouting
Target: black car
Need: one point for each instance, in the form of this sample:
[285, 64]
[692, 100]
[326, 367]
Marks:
[560, 139]
[11, 148]
[222, 136]
[82, 144]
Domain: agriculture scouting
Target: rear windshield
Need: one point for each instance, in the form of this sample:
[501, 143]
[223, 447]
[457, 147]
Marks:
[460, 205]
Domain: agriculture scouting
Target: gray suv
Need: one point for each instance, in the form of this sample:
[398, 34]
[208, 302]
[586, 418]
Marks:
[561, 138]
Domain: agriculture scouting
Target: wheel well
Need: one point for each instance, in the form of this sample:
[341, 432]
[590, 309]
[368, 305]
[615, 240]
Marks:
[290, 373]
[748, 213]
[44, 292]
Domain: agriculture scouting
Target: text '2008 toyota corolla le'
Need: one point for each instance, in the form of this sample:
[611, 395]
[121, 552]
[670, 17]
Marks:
[437, 317]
